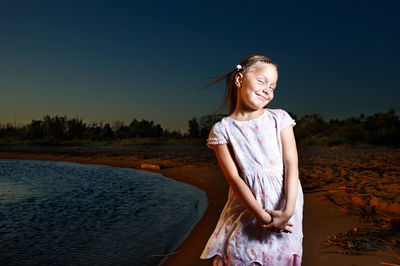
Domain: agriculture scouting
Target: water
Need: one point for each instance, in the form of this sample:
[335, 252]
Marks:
[63, 213]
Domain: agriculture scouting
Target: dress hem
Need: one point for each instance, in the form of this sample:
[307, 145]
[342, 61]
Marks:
[206, 257]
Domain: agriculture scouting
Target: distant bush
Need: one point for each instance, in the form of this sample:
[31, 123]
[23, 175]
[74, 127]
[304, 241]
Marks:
[200, 127]
[58, 129]
[376, 129]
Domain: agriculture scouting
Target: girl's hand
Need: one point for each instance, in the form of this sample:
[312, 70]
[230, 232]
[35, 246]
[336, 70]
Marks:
[279, 223]
[265, 219]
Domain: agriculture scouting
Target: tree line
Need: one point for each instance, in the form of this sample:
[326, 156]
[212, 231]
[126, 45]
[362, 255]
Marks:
[376, 129]
[55, 129]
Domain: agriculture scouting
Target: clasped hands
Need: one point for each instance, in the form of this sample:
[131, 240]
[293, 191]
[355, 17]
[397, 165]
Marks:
[276, 221]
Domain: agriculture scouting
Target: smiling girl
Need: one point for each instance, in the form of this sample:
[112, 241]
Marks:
[261, 223]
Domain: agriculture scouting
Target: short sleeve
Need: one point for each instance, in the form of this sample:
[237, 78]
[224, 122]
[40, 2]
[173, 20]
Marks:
[285, 120]
[216, 136]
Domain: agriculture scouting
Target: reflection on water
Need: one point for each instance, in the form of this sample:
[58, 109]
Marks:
[75, 214]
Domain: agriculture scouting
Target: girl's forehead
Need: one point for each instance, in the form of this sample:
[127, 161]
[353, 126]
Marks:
[263, 66]
[264, 69]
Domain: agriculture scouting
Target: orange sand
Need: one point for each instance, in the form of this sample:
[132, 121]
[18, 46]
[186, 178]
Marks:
[323, 171]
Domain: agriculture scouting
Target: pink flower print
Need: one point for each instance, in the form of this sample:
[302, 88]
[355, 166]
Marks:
[267, 258]
[286, 246]
[256, 128]
[255, 159]
[283, 114]
[279, 257]
[270, 243]
[288, 258]
[238, 233]
[260, 141]
[258, 177]
[262, 193]
[241, 128]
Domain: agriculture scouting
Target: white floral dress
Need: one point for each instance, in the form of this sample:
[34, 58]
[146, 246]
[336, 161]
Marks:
[237, 238]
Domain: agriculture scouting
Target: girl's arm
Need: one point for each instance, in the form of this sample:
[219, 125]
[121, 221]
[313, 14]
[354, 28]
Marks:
[239, 187]
[289, 153]
[290, 160]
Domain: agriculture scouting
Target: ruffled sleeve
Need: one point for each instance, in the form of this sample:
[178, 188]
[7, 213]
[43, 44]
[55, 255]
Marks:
[285, 120]
[217, 136]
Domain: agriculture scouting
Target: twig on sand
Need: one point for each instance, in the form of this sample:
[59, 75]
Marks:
[360, 240]
[394, 254]
[166, 255]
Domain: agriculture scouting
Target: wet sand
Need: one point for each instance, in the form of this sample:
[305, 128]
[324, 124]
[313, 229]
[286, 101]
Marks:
[338, 182]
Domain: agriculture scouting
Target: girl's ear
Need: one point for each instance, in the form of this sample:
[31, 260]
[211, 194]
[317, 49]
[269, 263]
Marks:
[238, 80]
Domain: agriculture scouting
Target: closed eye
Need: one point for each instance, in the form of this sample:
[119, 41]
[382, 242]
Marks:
[262, 82]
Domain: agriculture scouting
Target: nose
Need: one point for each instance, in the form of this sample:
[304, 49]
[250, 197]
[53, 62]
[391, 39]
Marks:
[267, 90]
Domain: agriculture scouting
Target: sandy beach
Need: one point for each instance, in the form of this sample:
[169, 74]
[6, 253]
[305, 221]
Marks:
[346, 189]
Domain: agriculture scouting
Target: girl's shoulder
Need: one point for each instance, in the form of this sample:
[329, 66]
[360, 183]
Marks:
[275, 112]
[269, 113]
[282, 118]
[223, 121]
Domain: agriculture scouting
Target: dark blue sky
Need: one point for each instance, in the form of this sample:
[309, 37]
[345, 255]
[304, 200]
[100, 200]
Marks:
[119, 60]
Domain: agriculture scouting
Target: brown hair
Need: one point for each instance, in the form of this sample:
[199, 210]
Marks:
[231, 89]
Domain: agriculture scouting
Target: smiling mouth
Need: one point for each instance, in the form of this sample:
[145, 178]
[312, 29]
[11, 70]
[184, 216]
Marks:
[265, 99]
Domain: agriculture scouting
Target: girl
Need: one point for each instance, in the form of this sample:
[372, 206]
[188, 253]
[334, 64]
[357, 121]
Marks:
[261, 223]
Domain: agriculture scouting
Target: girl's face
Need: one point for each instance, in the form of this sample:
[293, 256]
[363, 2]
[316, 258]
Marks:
[256, 86]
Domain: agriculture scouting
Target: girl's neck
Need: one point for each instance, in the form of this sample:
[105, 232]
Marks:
[244, 115]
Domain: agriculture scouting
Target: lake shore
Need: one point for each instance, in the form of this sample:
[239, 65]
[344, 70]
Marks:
[323, 173]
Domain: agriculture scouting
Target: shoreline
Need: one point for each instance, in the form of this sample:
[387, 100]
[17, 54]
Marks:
[321, 217]
[184, 253]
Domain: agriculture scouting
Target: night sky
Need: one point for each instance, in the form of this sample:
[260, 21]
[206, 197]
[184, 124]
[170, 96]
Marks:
[120, 60]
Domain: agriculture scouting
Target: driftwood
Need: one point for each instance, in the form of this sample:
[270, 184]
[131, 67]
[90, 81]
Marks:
[150, 166]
